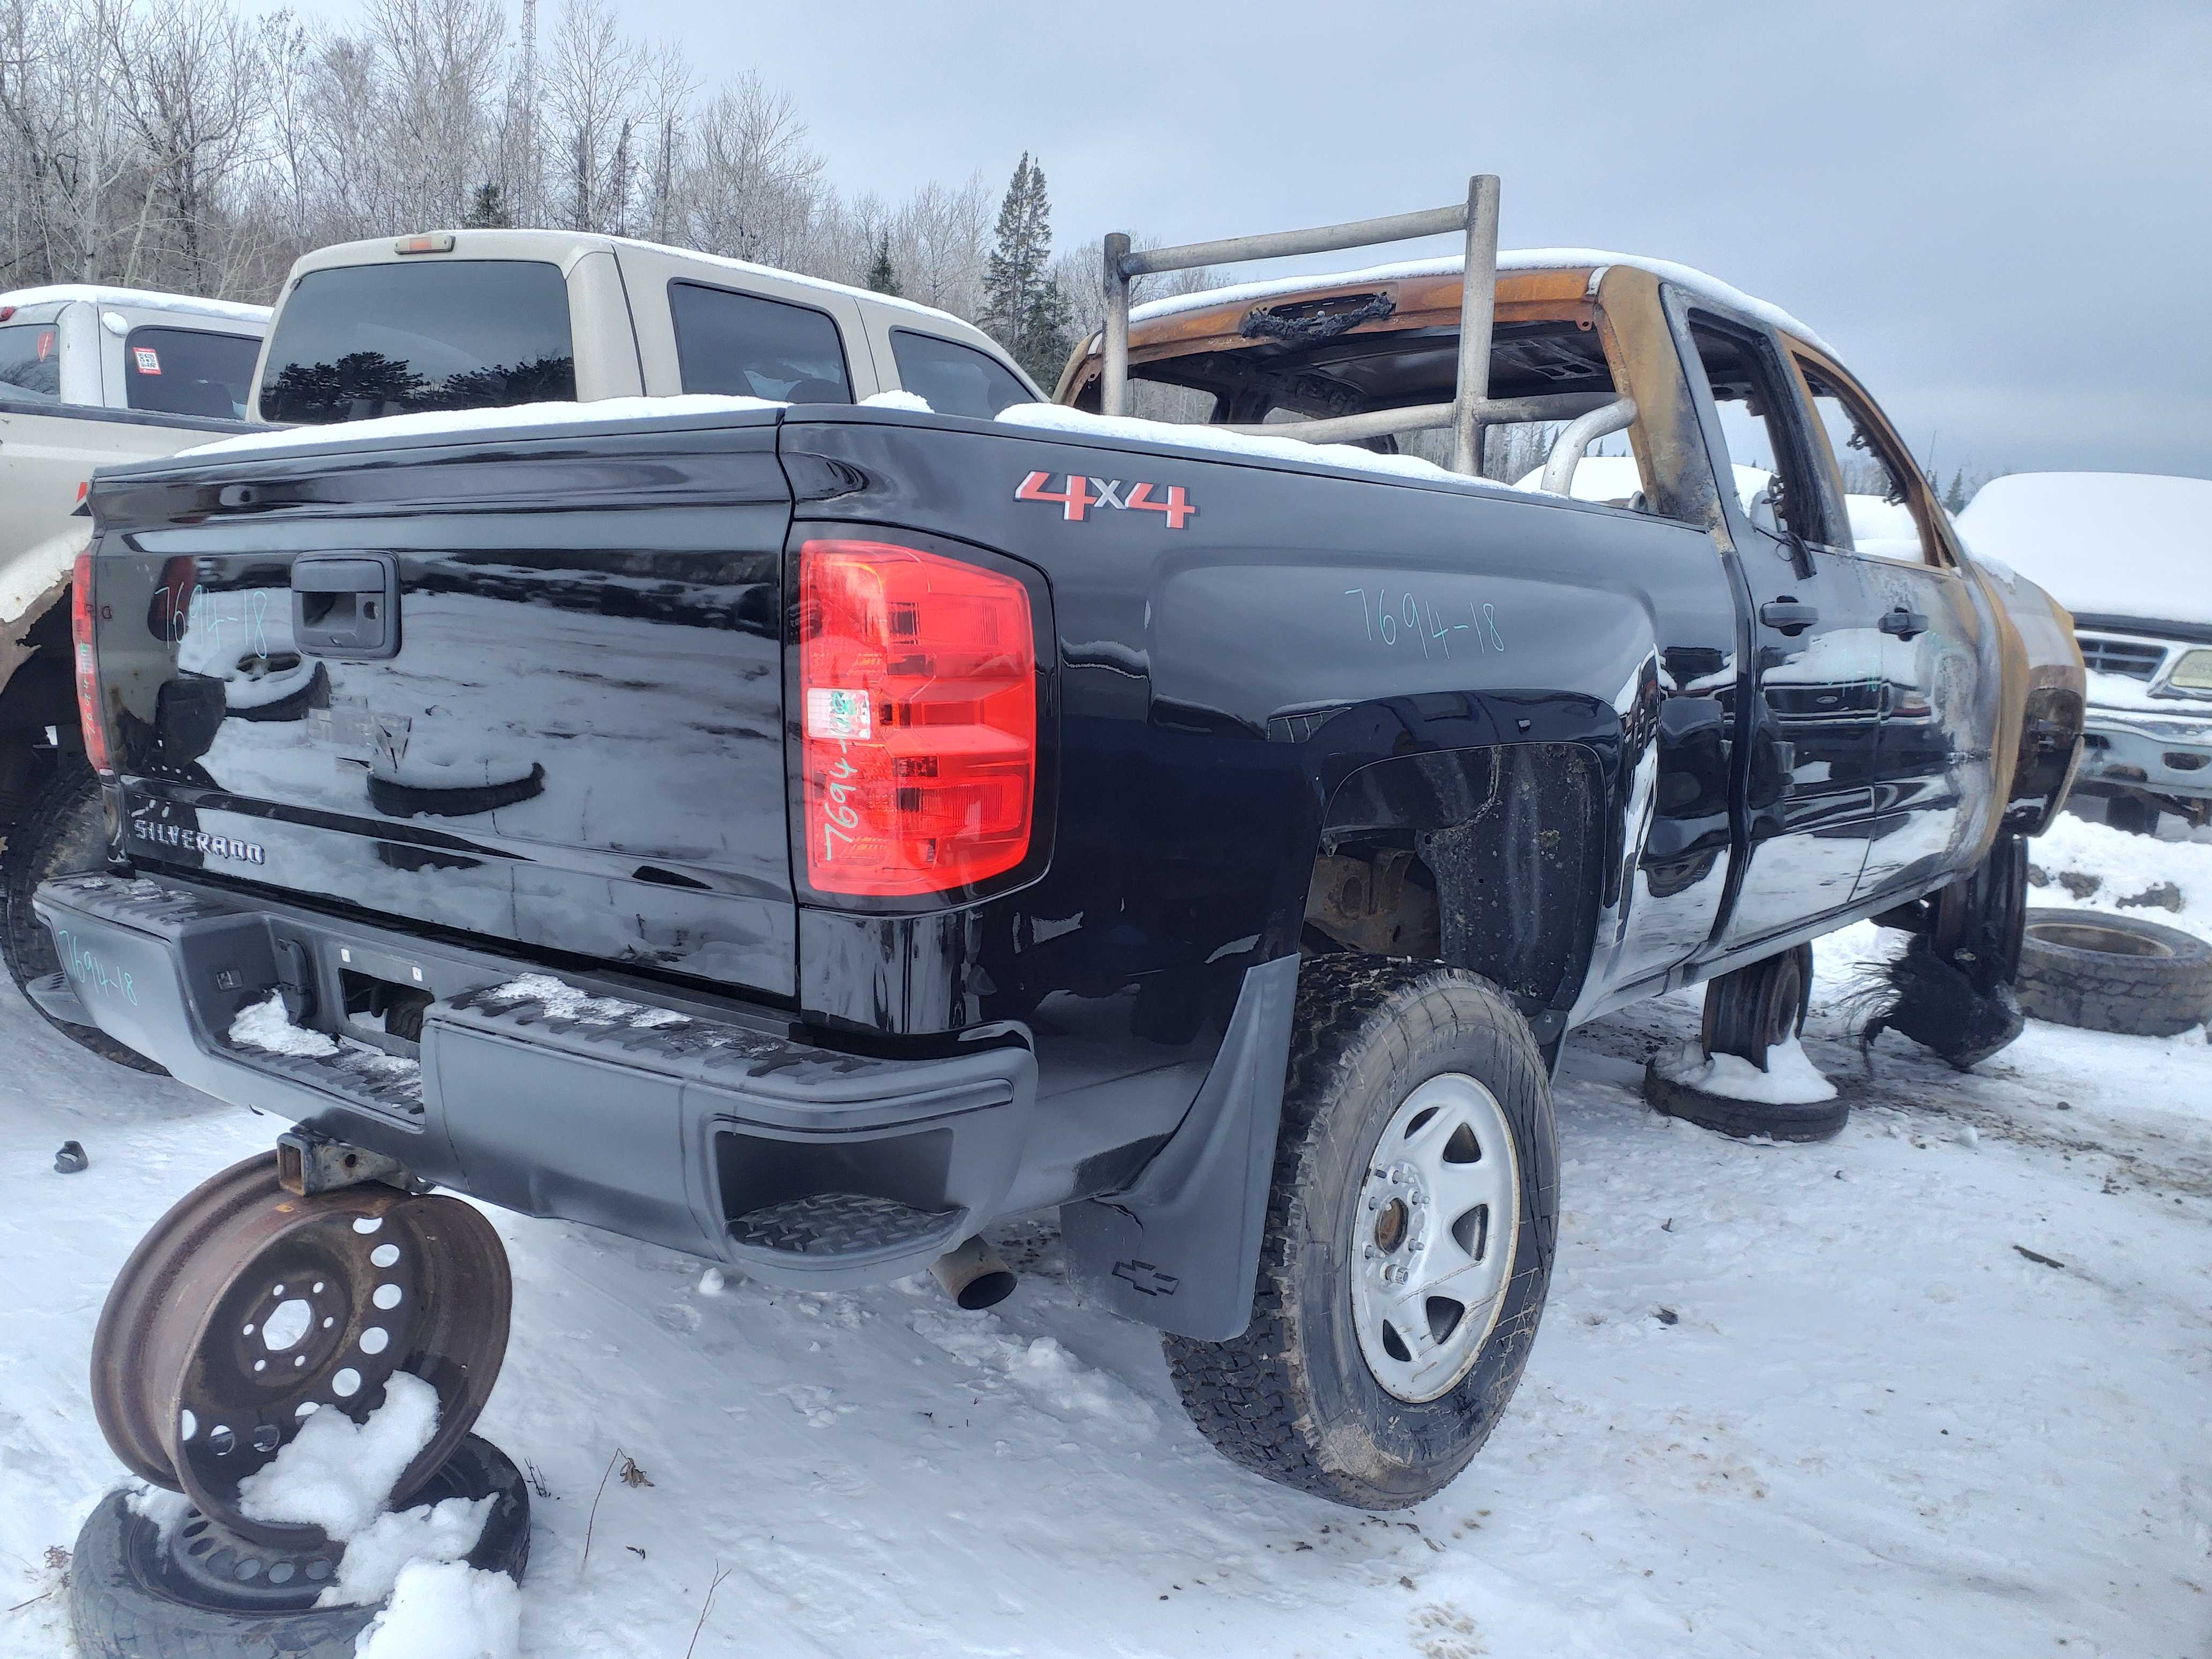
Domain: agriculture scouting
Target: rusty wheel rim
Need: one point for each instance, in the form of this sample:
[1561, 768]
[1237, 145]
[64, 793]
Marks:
[129, 1412]
[274, 1307]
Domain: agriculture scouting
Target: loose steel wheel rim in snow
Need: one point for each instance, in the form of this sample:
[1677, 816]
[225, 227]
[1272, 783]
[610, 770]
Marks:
[1433, 1237]
[129, 1412]
[300, 1304]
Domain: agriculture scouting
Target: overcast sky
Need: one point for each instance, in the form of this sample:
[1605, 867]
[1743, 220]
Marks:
[1999, 214]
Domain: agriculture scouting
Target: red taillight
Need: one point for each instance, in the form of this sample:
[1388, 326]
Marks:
[88, 666]
[918, 718]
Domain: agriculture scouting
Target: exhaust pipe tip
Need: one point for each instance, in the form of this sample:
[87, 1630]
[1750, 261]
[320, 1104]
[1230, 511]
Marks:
[974, 1276]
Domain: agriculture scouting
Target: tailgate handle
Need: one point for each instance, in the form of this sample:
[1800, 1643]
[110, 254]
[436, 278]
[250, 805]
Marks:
[346, 604]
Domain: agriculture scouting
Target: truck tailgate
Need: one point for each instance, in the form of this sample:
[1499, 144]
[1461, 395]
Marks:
[493, 686]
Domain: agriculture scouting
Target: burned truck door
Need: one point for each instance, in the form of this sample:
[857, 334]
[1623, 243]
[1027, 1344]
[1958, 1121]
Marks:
[1815, 710]
[1934, 779]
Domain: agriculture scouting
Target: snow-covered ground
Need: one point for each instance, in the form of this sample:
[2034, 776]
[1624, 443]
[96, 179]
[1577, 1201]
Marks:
[1803, 1400]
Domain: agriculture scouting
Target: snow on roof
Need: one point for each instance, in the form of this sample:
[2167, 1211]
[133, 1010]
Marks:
[74, 292]
[1541, 259]
[440, 422]
[2115, 544]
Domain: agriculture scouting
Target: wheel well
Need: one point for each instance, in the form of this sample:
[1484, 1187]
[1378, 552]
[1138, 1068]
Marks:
[1489, 859]
[37, 694]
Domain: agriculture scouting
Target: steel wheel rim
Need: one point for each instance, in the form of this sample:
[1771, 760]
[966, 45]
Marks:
[366, 1282]
[129, 1410]
[1434, 1236]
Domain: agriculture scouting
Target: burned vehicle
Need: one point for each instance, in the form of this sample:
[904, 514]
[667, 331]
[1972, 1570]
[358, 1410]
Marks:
[1209, 834]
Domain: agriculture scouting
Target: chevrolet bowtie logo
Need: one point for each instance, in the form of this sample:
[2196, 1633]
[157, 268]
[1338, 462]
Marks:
[1145, 1279]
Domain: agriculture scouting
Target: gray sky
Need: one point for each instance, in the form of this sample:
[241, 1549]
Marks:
[1999, 214]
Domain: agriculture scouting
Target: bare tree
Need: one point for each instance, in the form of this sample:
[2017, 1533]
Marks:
[591, 98]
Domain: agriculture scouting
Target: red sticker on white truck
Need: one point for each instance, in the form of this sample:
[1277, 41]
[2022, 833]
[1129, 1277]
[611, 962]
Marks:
[46, 344]
[149, 360]
[1077, 494]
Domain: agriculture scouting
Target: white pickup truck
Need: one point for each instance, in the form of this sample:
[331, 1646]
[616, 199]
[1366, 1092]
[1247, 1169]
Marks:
[424, 326]
[90, 376]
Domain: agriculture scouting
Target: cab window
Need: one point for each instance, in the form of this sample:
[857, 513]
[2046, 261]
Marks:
[954, 379]
[189, 371]
[743, 345]
[1770, 473]
[1876, 477]
[355, 341]
[31, 360]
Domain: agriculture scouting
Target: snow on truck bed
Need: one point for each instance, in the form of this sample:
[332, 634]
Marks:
[2115, 544]
[1785, 1399]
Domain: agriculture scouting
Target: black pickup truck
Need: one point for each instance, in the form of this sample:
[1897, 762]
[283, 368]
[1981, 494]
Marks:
[803, 837]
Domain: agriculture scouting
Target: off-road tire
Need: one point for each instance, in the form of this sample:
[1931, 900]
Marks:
[121, 1606]
[2113, 973]
[60, 833]
[1293, 1399]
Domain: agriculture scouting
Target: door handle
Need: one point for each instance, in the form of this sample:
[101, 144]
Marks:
[346, 604]
[1904, 623]
[1787, 615]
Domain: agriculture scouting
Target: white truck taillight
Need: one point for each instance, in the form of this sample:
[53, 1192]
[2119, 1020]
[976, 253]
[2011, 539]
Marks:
[918, 678]
[87, 664]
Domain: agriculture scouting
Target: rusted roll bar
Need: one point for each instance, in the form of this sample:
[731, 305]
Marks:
[1470, 408]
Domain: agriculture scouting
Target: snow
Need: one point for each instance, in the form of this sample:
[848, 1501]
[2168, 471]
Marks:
[1055, 418]
[336, 1474]
[446, 1611]
[2124, 867]
[564, 1001]
[378, 1555]
[2111, 543]
[1710, 289]
[913, 402]
[1789, 1079]
[1874, 1426]
[454, 422]
[266, 1026]
[137, 299]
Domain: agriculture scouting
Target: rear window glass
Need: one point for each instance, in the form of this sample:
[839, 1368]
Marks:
[189, 371]
[369, 340]
[31, 359]
[953, 379]
[742, 345]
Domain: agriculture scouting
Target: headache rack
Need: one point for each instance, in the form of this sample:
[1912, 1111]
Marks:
[1590, 416]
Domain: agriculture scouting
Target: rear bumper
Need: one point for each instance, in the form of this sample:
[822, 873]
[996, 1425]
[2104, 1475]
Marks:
[2161, 754]
[701, 1127]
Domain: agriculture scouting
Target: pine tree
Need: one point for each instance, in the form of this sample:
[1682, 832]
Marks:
[1955, 499]
[1024, 309]
[883, 276]
[488, 210]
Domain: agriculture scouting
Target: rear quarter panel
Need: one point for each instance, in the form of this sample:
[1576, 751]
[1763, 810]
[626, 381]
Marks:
[1217, 682]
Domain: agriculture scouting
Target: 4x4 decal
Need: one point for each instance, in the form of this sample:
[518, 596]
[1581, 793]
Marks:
[1079, 495]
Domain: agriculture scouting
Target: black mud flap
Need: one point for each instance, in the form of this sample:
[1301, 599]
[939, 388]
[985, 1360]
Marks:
[1180, 1249]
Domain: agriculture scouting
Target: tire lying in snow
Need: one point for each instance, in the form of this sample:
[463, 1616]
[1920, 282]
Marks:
[2113, 973]
[213, 1596]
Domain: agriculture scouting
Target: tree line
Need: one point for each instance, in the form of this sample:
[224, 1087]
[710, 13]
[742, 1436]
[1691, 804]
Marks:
[190, 146]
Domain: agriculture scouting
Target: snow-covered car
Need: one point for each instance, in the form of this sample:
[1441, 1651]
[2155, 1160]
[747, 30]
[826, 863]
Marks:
[2130, 555]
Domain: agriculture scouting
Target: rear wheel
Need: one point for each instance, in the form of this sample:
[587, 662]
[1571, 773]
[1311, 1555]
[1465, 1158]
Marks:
[1409, 1240]
[62, 832]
